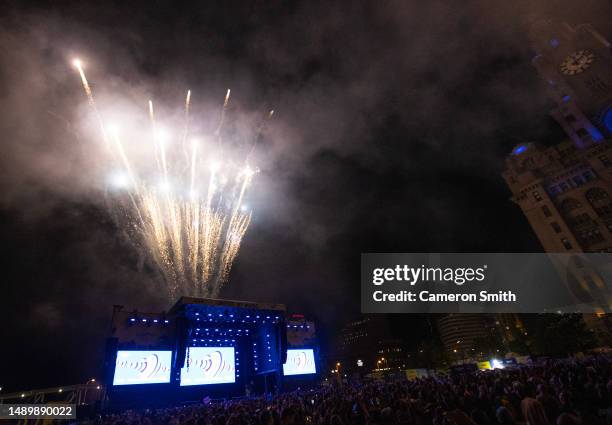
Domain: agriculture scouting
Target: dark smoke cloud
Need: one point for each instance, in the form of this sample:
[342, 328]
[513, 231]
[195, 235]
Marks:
[392, 122]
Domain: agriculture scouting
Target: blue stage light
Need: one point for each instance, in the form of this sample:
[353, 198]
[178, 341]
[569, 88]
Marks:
[166, 321]
[132, 320]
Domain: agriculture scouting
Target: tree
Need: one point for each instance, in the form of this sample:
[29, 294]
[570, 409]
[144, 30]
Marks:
[561, 334]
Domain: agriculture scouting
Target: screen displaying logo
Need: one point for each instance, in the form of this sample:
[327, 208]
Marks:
[300, 362]
[208, 365]
[142, 367]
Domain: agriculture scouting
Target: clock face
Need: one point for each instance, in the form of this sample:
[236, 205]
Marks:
[577, 62]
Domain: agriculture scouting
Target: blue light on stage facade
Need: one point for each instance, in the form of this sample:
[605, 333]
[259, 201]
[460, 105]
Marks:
[519, 150]
[554, 42]
[144, 320]
[566, 98]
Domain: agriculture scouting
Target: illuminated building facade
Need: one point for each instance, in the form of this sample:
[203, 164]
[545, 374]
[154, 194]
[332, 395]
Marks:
[565, 190]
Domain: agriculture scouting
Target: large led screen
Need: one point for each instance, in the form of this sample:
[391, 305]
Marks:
[208, 365]
[299, 362]
[142, 367]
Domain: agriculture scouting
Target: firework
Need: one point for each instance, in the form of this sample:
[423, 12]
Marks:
[191, 223]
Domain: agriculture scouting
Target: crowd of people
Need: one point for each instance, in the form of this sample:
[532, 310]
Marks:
[554, 392]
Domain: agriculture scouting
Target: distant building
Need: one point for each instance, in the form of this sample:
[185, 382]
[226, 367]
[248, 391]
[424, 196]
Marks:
[461, 332]
[565, 191]
[367, 344]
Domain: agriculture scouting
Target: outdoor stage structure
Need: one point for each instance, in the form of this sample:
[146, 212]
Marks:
[207, 349]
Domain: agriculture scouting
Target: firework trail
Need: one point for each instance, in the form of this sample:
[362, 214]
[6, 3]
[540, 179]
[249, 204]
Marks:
[192, 234]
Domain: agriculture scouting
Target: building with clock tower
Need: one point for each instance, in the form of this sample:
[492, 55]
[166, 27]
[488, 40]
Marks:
[565, 190]
[576, 65]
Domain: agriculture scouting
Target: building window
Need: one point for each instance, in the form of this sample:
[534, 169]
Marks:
[568, 205]
[581, 219]
[556, 227]
[599, 200]
[591, 236]
[566, 243]
[546, 211]
[588, 175]
[605, 161]
[536, 195]
[596, 194]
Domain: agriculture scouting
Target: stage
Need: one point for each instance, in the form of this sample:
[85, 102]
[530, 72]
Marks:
[206, 348]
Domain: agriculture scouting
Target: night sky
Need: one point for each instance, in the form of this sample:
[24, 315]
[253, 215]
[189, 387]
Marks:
[392, 123]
